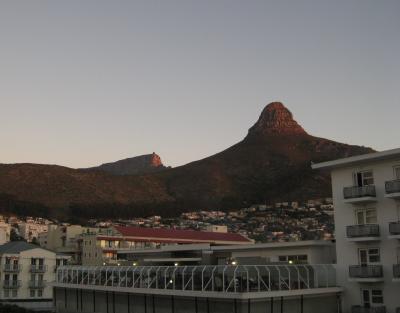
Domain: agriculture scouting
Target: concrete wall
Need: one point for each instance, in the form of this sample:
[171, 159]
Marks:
[75, 300]
[347, 252]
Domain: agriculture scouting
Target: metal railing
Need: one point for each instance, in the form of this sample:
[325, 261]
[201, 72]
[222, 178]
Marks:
[364, 230]
[396, 270]
[361, 309]
[359, 192]
[224, 278]
[394, 228]
[12, 267]
[365, 271]
[40, 268]
[37, 283]
[392, 186]
[11, 284]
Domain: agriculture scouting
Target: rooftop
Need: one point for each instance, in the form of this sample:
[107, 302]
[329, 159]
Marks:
[17, 247]
[359, 159]
[181, 235]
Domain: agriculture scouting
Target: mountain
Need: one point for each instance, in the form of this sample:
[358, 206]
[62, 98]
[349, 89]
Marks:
[148, 163]
[272, 163]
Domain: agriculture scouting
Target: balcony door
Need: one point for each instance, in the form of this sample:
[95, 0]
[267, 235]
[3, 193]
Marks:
[368, 256]
[371, 297]
[366, 216]
[364, 178]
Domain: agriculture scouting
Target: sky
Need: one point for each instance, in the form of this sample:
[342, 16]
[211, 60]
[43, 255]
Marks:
[88, 82]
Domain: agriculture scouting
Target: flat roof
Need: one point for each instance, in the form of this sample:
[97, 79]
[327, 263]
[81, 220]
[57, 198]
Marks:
[359, 159]
[270, 245]
[275, 245]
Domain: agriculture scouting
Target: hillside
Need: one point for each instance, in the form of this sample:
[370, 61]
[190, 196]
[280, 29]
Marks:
[271, 163]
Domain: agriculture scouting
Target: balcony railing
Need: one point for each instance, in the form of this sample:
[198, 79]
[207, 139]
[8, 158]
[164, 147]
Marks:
[396, 271]
[394, 228]
[11, 284]
[12, 267]
[365, 230]
[208, 278]
[365, 271]
[392, 186]
[41, 268]
[361, 309]
[37, 283]
[359, 192]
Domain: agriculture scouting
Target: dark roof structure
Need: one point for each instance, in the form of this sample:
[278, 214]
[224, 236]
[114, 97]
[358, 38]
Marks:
[178, 235]
[17, 247]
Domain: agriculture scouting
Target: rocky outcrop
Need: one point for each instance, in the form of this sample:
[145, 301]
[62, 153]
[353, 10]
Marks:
[276, 119]
[143, 164]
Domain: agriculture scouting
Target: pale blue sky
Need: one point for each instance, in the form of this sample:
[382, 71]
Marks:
[86, 82]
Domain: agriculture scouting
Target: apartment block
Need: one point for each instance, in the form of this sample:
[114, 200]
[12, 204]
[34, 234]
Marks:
[65, 239]
[366, 197]
[26, 274]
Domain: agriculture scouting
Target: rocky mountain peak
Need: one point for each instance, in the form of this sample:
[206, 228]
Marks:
[276, 119]
[142, 164]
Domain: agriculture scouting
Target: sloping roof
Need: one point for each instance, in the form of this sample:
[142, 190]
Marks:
[16, 247]
[178, 234]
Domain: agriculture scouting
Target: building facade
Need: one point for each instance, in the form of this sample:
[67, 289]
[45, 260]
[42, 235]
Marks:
[102, 248]
[5, 232]
[296, 252]
[26, 273]
[366, 197]
[65, 239]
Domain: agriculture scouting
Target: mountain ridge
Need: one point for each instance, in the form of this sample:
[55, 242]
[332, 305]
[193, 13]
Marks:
[271, 163]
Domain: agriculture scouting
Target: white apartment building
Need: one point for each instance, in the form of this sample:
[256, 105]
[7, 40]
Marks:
[65, 239]
[5, 231]
[29, 230]
[26, 274]
[366, 197]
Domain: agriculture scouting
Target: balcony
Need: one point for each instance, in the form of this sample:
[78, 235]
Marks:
[392, 189]
[11, 284]
[394, 230]
[39, 284]
[11, 268]
[361, 309]
[396, 272]
[366, 273]
[364, 232]
[38, 268]
[356, 194]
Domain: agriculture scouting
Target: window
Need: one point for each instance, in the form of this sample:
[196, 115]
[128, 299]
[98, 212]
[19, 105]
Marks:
[6, 293]
[366, 216]
[377, 296]
[397, 172]
[32, 293]
[364, 178]
[14, 293]
[368, 255]
[40, 293]
[303, 258]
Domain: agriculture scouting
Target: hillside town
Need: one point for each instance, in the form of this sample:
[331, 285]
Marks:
[280, 222]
